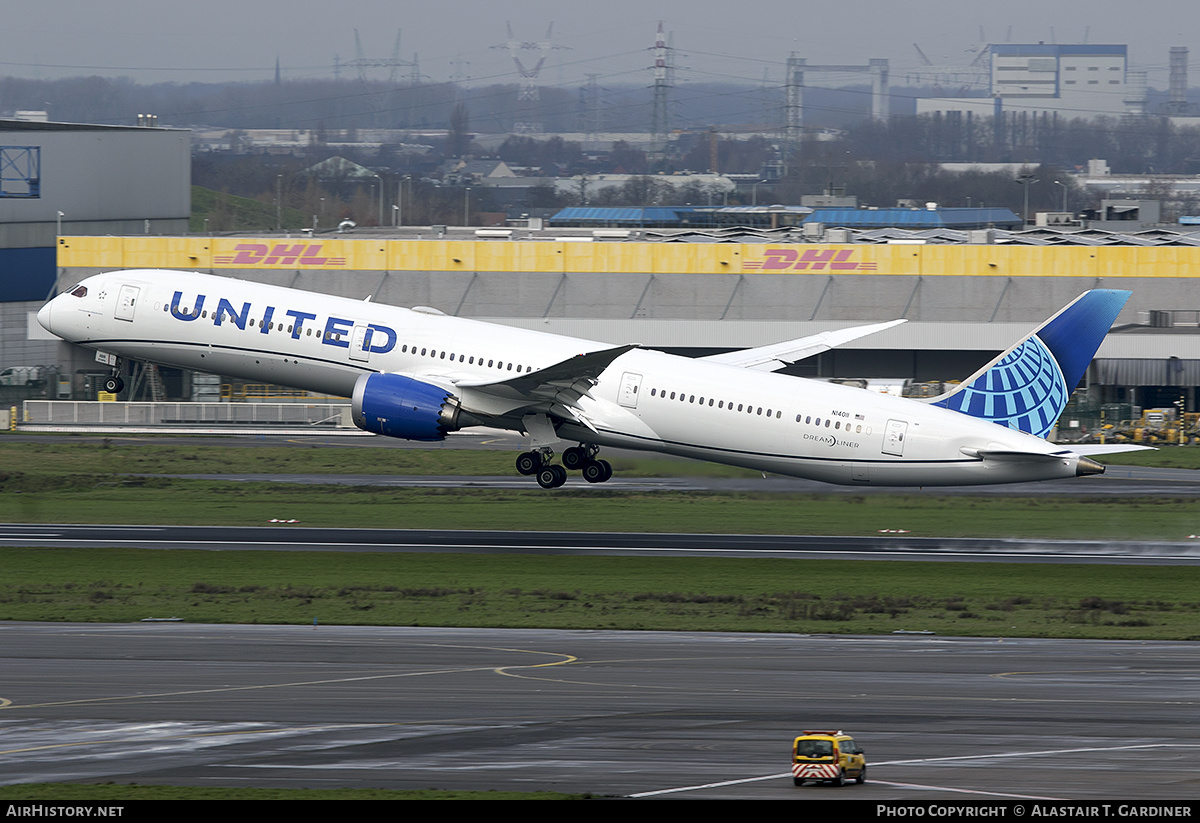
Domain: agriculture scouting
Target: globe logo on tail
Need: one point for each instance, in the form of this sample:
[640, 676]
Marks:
[1024, 390]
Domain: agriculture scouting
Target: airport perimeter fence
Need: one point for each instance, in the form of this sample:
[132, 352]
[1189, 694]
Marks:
[267, 415]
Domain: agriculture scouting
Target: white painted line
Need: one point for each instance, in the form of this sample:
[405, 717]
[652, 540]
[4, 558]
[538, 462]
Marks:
[957, 758]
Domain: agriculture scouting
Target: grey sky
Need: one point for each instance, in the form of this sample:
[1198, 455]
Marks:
[211, 40]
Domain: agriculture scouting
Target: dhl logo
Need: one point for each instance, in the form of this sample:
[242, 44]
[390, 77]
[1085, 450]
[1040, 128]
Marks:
[279, 254]
[809, 259]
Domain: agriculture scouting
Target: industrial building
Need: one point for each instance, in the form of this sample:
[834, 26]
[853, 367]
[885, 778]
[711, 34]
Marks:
[1044, 79]
[964, 302]
[63, 178]
[82, 199]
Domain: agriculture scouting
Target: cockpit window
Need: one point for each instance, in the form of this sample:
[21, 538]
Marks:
[80, 291]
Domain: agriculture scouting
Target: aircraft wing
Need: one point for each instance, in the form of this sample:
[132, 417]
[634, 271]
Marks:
[555, 389]
[778, 355]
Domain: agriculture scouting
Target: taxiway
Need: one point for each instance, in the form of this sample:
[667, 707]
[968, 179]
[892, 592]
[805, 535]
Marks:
[650, 714]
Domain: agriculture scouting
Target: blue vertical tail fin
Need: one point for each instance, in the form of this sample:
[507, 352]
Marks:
[1029, 385]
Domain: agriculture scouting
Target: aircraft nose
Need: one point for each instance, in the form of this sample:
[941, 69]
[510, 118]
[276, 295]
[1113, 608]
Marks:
[43, 316]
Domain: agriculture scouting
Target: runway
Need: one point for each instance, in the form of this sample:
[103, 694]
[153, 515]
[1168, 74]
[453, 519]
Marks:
[649, 715]
[660, 715]
[1117, 481]
[613, 544]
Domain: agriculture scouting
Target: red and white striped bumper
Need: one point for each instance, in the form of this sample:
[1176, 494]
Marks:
[815, 771]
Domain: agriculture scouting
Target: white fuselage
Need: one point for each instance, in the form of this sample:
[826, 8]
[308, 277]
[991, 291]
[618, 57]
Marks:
[644, 400]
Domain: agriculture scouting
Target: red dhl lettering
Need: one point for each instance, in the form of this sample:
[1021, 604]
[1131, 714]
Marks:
[278, 254]
[809, 259]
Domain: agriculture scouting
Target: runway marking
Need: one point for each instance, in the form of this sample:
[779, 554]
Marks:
[924, 760]
[966, 791]
[269, 545]
[1004, 755]
[864, 696]
[1109, 672]
[135, 697]
[194, 736]
[6, 704]
[789, 775]
[712, 785]
[566, 658]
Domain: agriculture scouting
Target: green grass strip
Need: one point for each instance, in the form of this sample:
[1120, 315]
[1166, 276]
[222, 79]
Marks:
[571, 592]
[108, 499]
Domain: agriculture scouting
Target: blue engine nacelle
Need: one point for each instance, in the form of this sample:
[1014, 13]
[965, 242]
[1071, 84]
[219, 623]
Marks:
[399, 406]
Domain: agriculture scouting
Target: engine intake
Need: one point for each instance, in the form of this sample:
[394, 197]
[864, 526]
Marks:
[398, 406]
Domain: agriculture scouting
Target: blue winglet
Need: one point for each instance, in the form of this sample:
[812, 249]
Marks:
[1029, 385]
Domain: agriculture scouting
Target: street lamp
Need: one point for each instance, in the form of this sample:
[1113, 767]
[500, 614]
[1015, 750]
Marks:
[380, 179]
[467, 206]
[1064, 188]
[400, 197]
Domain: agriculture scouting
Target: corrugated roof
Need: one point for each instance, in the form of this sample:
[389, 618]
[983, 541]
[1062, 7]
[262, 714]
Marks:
[665, 224]
[651, 214]
[914, 218]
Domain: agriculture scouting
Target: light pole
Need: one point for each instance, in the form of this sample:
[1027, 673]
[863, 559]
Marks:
[467, 206]
[400, 199]
[1025, 180]
[380, 179]
[1064, 188]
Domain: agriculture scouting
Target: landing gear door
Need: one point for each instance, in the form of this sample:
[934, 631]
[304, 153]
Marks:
[359, 344]
[126, 302]
[893, 437]
[630, 383]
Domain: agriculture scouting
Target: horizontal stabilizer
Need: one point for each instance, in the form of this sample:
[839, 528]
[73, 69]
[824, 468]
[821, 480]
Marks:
[1108, 448]
[778, 355]
[1010, 456]
[1084, 466]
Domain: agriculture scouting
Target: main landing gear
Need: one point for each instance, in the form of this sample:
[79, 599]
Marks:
[580, 458]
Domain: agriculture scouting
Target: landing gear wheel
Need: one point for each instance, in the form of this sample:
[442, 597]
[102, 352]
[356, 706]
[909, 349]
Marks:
[574, 458]
[551, 477]
[113, 385]
[529, 462]
[597, 471]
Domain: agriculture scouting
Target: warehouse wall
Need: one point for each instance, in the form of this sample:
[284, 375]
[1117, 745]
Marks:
[856, 283]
